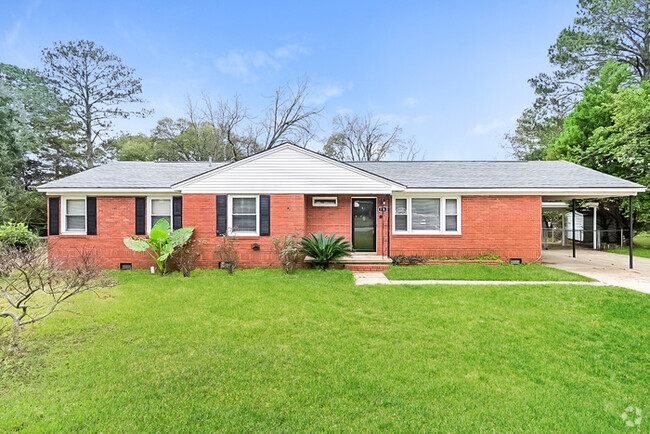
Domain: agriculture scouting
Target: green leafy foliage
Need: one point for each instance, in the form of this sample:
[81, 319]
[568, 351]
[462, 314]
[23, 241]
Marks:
[161, 242]
[325, 248]
[609, 131]
[17, 235]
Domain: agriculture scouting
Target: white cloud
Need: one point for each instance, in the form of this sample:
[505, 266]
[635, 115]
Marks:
[496, 125]
[246, 65]
[11, 36]
[410, 101]
[289, 51]
[322, 94]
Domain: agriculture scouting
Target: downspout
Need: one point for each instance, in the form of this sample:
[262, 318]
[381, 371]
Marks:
[390, 215]
[631, 232]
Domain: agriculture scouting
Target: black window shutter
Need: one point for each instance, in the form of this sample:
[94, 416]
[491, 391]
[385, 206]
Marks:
[222, 214]
[177, 211]
[140, 215]
[54, 215]
[91, 216]
[265, 215]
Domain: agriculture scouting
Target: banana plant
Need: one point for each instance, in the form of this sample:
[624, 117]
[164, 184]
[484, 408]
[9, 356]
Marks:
[161, 242]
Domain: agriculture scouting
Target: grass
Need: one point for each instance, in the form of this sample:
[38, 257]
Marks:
[638, 251]
[263, 351]
[469, 271]
[641, 246]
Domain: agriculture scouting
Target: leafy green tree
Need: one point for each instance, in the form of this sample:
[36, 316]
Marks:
[602, 30]
[607, 131]
[98, 87]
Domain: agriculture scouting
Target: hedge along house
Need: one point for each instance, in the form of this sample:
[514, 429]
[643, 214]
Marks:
[425, 208]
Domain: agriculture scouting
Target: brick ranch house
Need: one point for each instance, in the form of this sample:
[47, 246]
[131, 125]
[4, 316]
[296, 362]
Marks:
[425, 208]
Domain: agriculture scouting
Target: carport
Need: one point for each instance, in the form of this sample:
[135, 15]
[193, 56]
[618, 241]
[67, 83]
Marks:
[567, 200]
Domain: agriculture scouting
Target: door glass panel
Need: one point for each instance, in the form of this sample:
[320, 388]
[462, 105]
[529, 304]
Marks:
[363, 225]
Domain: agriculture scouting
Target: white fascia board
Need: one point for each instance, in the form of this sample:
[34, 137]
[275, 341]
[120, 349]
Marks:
[107, 191]
[554, 192]
[392, 184]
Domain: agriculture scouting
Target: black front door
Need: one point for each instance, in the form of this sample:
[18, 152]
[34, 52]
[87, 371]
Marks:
[363, 225]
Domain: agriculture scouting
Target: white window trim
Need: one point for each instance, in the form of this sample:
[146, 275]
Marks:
[64, 215]
[443, 213]
[231, 230]
[315, 198]
[149, 208]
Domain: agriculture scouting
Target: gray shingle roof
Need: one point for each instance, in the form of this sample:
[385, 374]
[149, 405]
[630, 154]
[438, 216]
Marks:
[133, 174]
[493, 174]
[413, 174]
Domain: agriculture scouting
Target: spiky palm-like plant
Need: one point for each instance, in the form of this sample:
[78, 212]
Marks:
[325, 248]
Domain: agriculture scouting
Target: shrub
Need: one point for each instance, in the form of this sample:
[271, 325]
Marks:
[227, 254]
[161, 242]
[324, 248]
[288, 249]
[184, 257]
[407, 260]
[17, 235]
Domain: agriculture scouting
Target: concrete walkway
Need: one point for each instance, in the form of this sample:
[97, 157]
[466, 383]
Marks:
[608, 268]
[378, 278]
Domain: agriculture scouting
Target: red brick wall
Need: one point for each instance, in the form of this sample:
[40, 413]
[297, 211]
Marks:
[287, 216]
[115, 220]
[509, 226]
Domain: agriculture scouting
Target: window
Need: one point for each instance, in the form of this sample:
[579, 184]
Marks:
[75, 216]
[243, 215]
[451, 215]
[324, 201]
[161, 208]
[401, 216]
[426, 215]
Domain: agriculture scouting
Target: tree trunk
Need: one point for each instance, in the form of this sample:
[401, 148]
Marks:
[13, 341]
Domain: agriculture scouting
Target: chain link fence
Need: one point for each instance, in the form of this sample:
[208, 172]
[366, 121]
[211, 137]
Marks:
[601, 239]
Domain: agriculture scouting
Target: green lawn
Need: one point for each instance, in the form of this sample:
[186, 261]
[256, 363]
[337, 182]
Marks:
[641, 246]
[638, 251]
[469, 271]
[312, 352]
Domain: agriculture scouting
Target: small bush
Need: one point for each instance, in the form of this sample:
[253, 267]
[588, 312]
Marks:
[324, 248]
[184, 258]
[288, 249]
[227, 254]
[18, 236]
[408, 260]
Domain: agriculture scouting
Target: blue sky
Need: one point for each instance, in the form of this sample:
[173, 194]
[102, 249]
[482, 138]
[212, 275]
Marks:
[453, 74]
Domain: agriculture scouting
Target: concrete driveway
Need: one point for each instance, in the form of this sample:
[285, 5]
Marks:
[609, 268]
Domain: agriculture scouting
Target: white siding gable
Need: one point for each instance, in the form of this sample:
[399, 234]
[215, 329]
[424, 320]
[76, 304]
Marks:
[288, 169]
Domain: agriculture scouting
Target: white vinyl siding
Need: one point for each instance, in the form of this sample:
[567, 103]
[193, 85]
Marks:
[288, 170]
[426, 215]
[243, 215]
[74, 211]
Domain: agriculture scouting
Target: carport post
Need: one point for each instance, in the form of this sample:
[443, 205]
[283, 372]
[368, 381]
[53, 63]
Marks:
[573, 225]
[631, 232]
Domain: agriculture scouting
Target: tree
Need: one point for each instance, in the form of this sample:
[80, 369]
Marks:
[53, 154]
[97, 86]
[602, 30]
[289, 119]
[365, 138]
[607, 131]
[33, 287]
